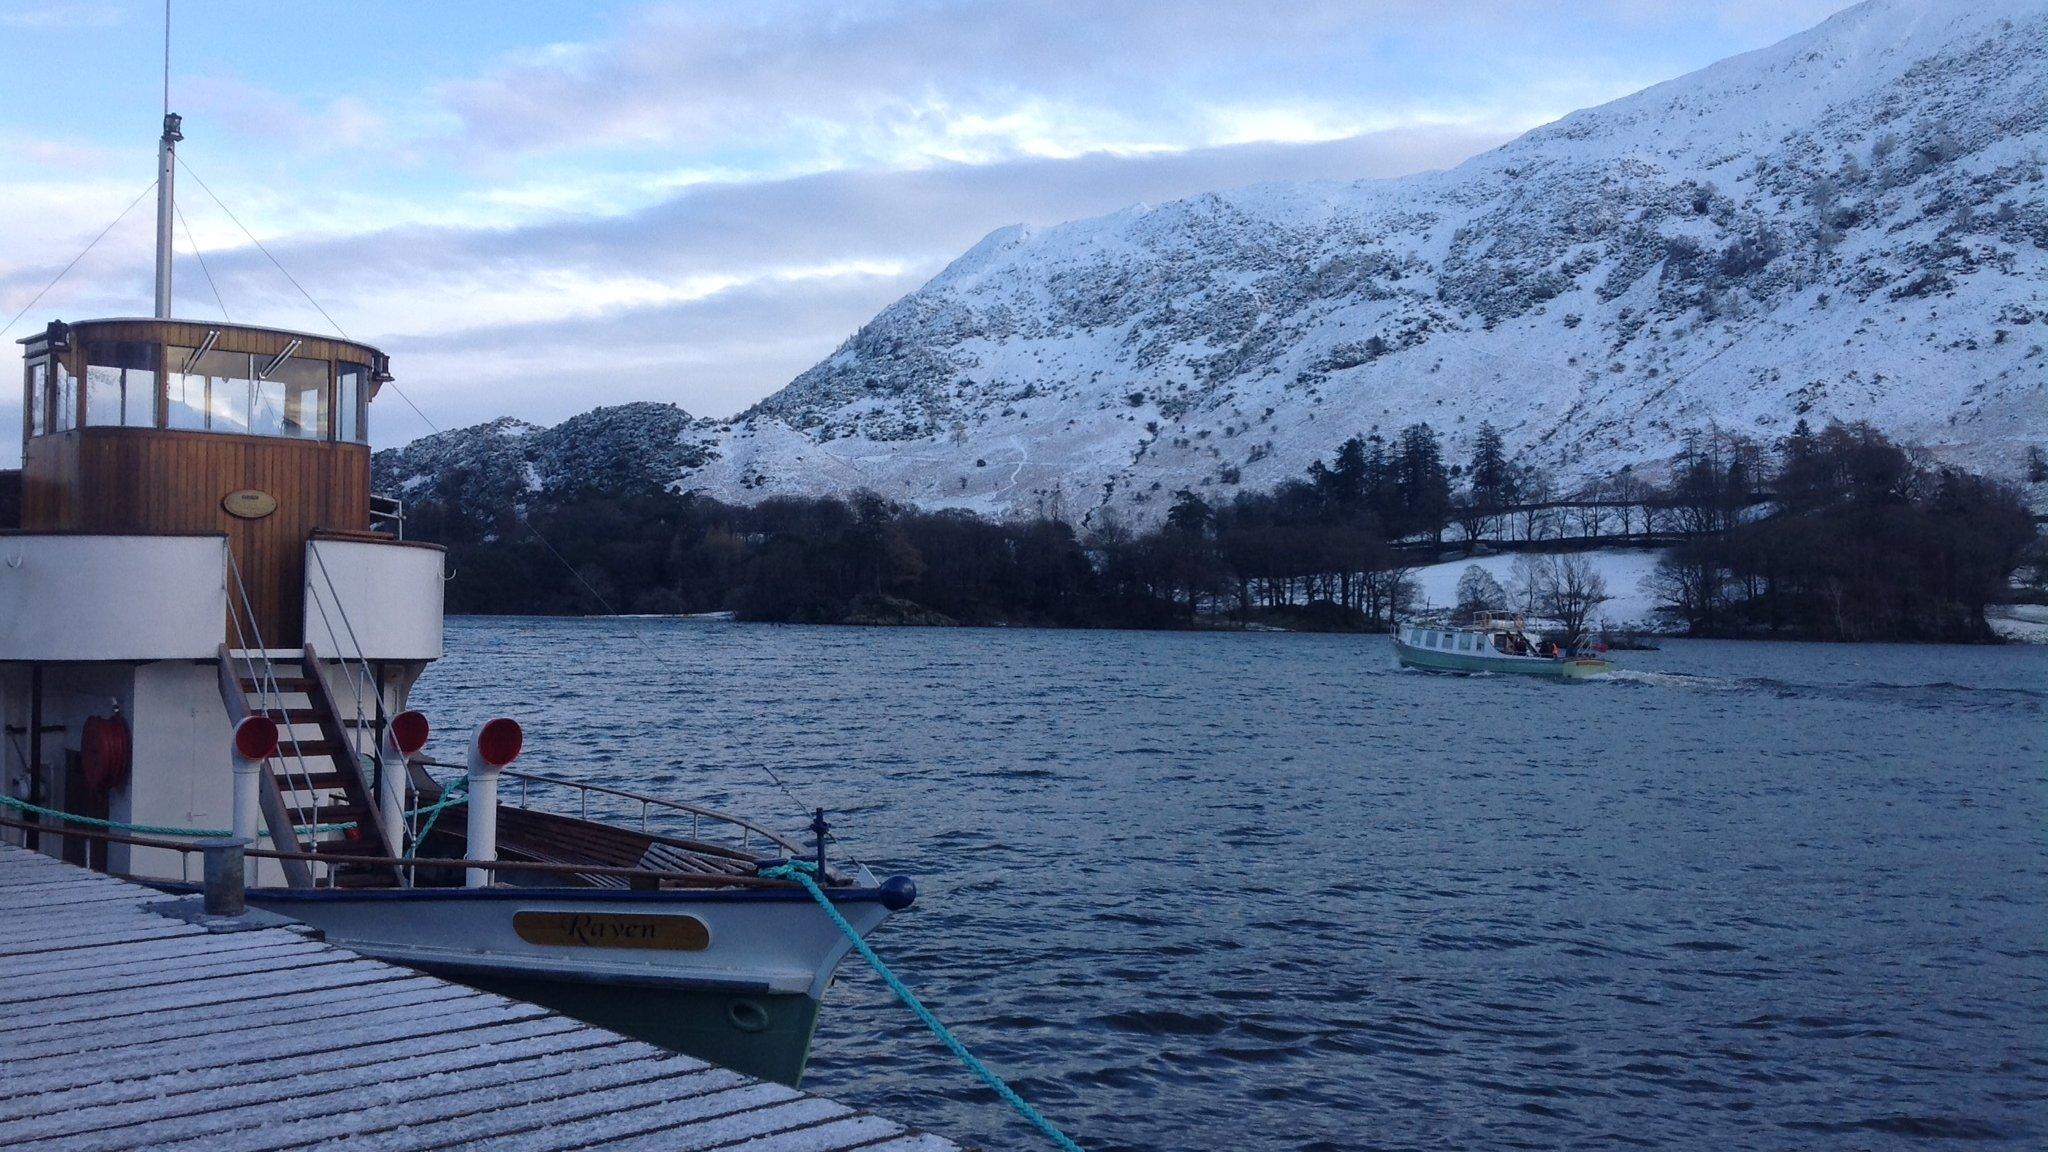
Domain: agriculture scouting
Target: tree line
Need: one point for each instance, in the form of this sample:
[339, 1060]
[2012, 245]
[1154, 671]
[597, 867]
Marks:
[1798, 538]
[1862, 540]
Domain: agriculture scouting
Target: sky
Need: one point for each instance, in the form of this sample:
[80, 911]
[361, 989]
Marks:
[537, 208]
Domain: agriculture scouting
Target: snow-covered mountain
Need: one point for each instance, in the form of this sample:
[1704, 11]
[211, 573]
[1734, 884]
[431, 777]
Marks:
[483, 472]
[1850, 224]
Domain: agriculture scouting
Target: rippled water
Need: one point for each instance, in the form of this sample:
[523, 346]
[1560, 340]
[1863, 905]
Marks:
[1265, 892]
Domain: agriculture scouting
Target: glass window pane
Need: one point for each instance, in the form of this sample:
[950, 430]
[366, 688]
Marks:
[266, 415]
[38, 397]
[64, 415]
[138, 394]
[187, 392]
[230, 378]
[292, 401]
[212, 392]
[102, 394]
[120, 383]
[348, 403]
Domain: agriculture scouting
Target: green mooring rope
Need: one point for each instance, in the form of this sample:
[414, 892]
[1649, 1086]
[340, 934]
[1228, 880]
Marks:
[114, 825]
[457, 792]
[801, 872]
[158, 829]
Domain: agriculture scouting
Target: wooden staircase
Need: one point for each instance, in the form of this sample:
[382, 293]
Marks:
[320, 776]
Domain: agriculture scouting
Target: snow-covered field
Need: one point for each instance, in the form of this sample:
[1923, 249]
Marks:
[1623, 571]
[2024, 623]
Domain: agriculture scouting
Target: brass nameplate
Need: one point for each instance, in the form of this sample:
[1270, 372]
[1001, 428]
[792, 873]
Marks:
[606, 930]
[248, 504]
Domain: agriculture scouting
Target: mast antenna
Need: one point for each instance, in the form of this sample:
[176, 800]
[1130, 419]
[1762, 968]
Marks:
[166, 179]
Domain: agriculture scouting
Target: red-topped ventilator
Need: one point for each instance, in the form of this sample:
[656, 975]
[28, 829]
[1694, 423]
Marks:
[496, 744]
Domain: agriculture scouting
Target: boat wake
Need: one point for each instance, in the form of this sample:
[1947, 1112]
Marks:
[1667, 680]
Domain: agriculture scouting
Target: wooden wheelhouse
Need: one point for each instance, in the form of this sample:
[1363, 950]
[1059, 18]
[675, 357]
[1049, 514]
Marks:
[168, 427]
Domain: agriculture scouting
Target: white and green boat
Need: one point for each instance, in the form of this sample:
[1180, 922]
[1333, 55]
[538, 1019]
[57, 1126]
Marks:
[1490, 646]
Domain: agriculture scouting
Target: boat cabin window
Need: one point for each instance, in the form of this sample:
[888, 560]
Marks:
[63, 397]
[209, 391]
[351, 396]
[290, 398]
[243, 392]
[144, 384]
[38, 397]
[120, 384]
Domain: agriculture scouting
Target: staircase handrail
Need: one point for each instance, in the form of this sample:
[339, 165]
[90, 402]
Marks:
[266, 678]
[362, 664]
[270, 797]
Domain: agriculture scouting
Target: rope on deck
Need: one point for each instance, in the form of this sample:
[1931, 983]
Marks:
[802, 871]
[457, 792]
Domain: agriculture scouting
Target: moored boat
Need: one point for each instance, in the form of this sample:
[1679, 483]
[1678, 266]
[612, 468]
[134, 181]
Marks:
[1490, 646]
[210, 625]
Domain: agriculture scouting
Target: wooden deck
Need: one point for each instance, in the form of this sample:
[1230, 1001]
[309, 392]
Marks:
[122, 1028]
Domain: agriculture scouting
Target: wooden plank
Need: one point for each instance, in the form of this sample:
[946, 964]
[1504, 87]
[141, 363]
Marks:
[317, 1119]
[283, 1036]
[97, 939]
[168, 951]
[36, 984]
[255, 985]
[255, 1097]
[832, 1136]
[600, 1115]
[915, 1142]
[211, 968]
[173, 1079]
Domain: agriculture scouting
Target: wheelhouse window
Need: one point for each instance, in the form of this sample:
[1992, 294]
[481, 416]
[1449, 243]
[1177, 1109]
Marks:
[351, 394]
[202, 387]
[290, 398]
[64, 398]
[210, 391]
[38, 397]
[120, 384]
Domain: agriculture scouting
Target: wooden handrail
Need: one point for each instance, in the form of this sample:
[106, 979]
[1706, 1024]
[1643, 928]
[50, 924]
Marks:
[794, 848]
[684, 879]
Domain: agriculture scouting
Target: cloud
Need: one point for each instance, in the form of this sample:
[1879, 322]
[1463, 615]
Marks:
[711, 298]
[906, 81]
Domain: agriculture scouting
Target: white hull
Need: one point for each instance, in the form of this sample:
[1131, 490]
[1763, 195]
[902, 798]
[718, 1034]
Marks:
[765, 942]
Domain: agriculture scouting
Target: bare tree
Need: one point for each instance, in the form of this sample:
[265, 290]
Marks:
[1479, 592]
[1569, 589]
[1525, 583]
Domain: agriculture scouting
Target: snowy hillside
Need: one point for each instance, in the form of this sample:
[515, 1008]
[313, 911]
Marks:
[486, 470]
[1852, 223]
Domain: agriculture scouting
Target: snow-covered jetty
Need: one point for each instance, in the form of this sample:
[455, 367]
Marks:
[127, 1025]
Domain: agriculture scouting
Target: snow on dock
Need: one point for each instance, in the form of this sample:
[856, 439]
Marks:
[122, 1027]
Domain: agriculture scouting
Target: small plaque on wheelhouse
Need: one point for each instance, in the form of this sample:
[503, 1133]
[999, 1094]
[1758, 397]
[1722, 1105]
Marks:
[248, 504]
[607, 930]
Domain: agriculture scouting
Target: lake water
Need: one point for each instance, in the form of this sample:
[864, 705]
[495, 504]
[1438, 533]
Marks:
[1266, 892]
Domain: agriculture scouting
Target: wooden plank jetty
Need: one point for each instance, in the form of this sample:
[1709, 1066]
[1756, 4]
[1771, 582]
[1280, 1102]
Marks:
[125, 1027]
